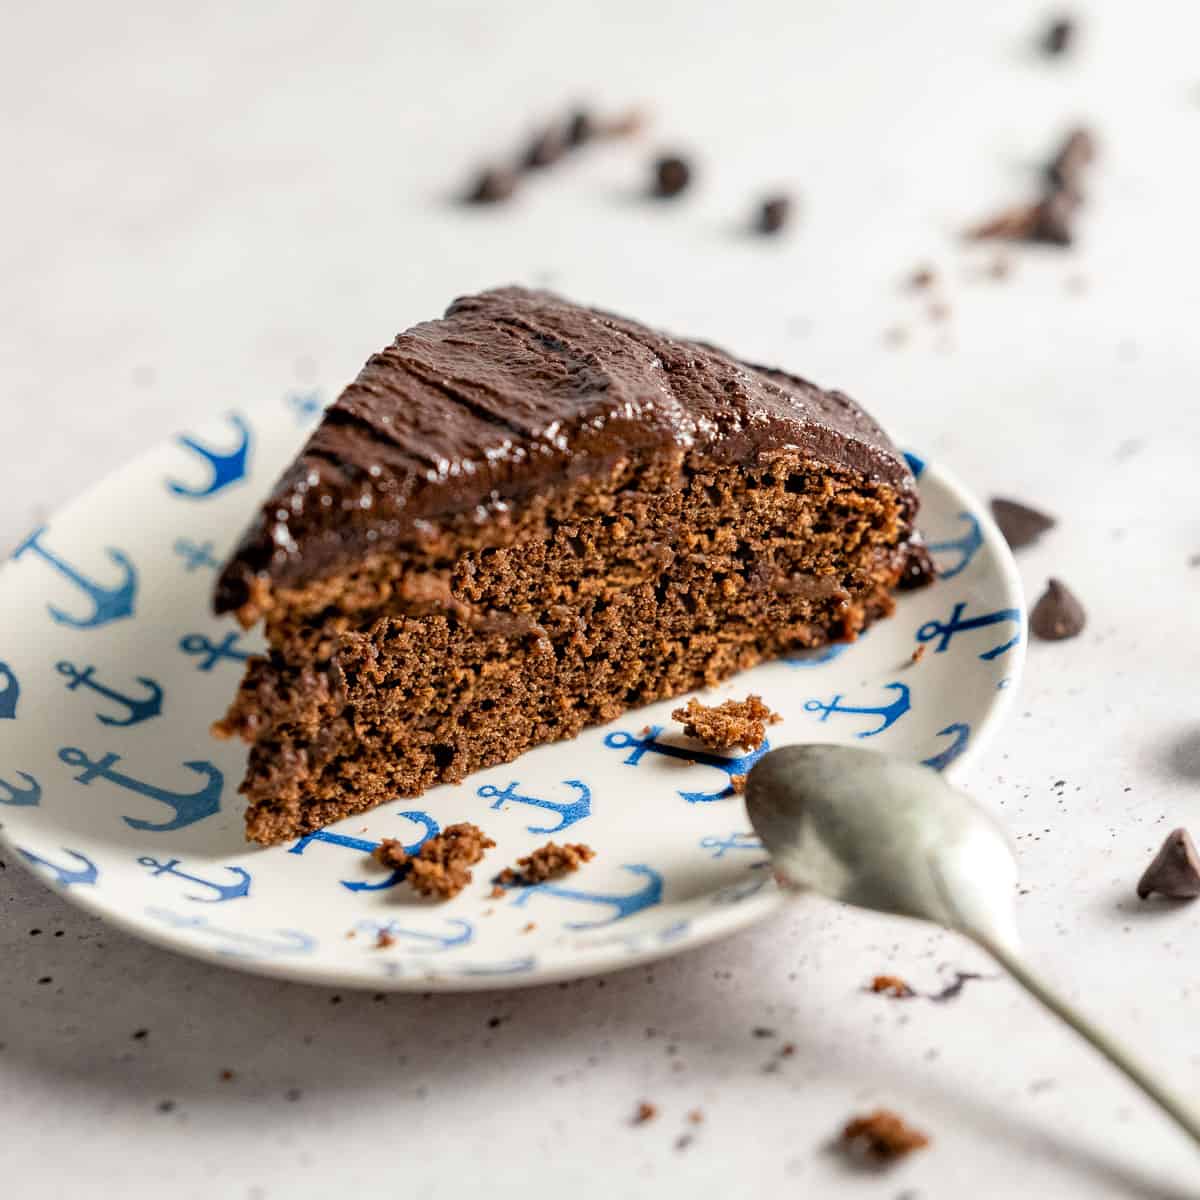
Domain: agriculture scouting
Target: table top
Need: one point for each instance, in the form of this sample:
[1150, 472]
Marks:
[200, 194]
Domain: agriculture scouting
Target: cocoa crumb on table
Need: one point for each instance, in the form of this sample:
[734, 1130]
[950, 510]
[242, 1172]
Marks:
[882, 1137]
[727, 725]
[441, 866]
[644, 1112]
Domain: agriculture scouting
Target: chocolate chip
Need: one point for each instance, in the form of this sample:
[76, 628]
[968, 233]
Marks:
[1058, 614]
[774, 213]
[1175, 871]
[671, 175]
[493, 186]
[581, 127]
[1058, 36]
[546, 148]
[1020, 524]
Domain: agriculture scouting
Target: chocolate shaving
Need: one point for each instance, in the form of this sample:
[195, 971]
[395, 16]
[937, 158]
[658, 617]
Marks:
[1175, 870]
[1058, 614]
[1020, 524]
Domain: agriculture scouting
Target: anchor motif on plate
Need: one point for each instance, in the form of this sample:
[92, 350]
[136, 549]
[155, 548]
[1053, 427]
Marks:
[429, 829]
[888, 714]
[514, 966]
[916, 464]
[108, 603]
[427, 942]
[641, 941]
[239, 944]
[720, 846]
[640, 746]
[568, 812]
[85, 872]
[965, 546]
[189, 807]
[139, 710]
[210, 652]
[10, 692]
[21, 797]
[961, 734]
[194, 555]
[648, 894]
[224, 891]
[818, 657]
[228, 466]
[306, 404]
[743, 889]
[944, 631]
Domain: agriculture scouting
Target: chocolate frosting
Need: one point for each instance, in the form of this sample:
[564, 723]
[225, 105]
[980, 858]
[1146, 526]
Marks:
[510, 392]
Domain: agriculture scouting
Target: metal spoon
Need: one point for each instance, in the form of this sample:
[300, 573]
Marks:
[872, 831]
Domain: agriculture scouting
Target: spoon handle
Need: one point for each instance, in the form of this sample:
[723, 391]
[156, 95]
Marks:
[1181, 1113]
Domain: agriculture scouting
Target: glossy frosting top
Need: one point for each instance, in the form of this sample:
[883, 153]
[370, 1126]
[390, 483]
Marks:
[509, 392]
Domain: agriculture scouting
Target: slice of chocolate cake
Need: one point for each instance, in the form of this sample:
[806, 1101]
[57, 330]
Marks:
[526, 518]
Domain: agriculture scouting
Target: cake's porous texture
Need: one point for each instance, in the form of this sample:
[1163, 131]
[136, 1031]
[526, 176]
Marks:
[526, 518]
[728, 724]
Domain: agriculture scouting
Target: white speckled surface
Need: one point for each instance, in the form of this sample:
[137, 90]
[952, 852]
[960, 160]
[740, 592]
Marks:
[196, 194]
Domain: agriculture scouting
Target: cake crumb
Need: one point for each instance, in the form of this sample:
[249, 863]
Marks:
[727, 725]
[917, 654]
[738, 783]
[441, 867]
[922, 278]
[696, 1117]
[383, 939]
[891, 985]
[550, 861]
[226, 1075]
[530, 927]
[882, 1137]
[644, 1112]
[497, 892]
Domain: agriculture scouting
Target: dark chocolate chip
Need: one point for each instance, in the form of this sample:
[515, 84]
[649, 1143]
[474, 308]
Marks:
[546, 148]
[581, 127]
[1175, 871]
[1057, 38]
[672, 175]
[494, 185]
[774, 213]
[1058, 614]
[1020, 524]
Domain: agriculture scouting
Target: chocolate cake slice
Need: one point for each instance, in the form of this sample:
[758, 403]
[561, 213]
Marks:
[526, 518]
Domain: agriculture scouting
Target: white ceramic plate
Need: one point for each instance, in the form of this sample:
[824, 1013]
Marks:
[113, 792]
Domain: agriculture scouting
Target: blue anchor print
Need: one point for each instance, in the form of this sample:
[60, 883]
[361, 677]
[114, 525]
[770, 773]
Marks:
[916, 464]
[86, 872]
[888, 714]
[306, 404]
[735, 841]
[195, 556]
[108, 604]
[735, 893]
[818, 658]
[21, 797]
[211, 652]
[944, 631]
[427, 942]
[961, 734]
[188, 807]
[429, 829]
[10, 691]
[568, 812]
[227, 466]
[641, 745]
[965, 546]
[224, 891]
[648, 894]
[239, 944]
[514, 966]
[139, 710]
